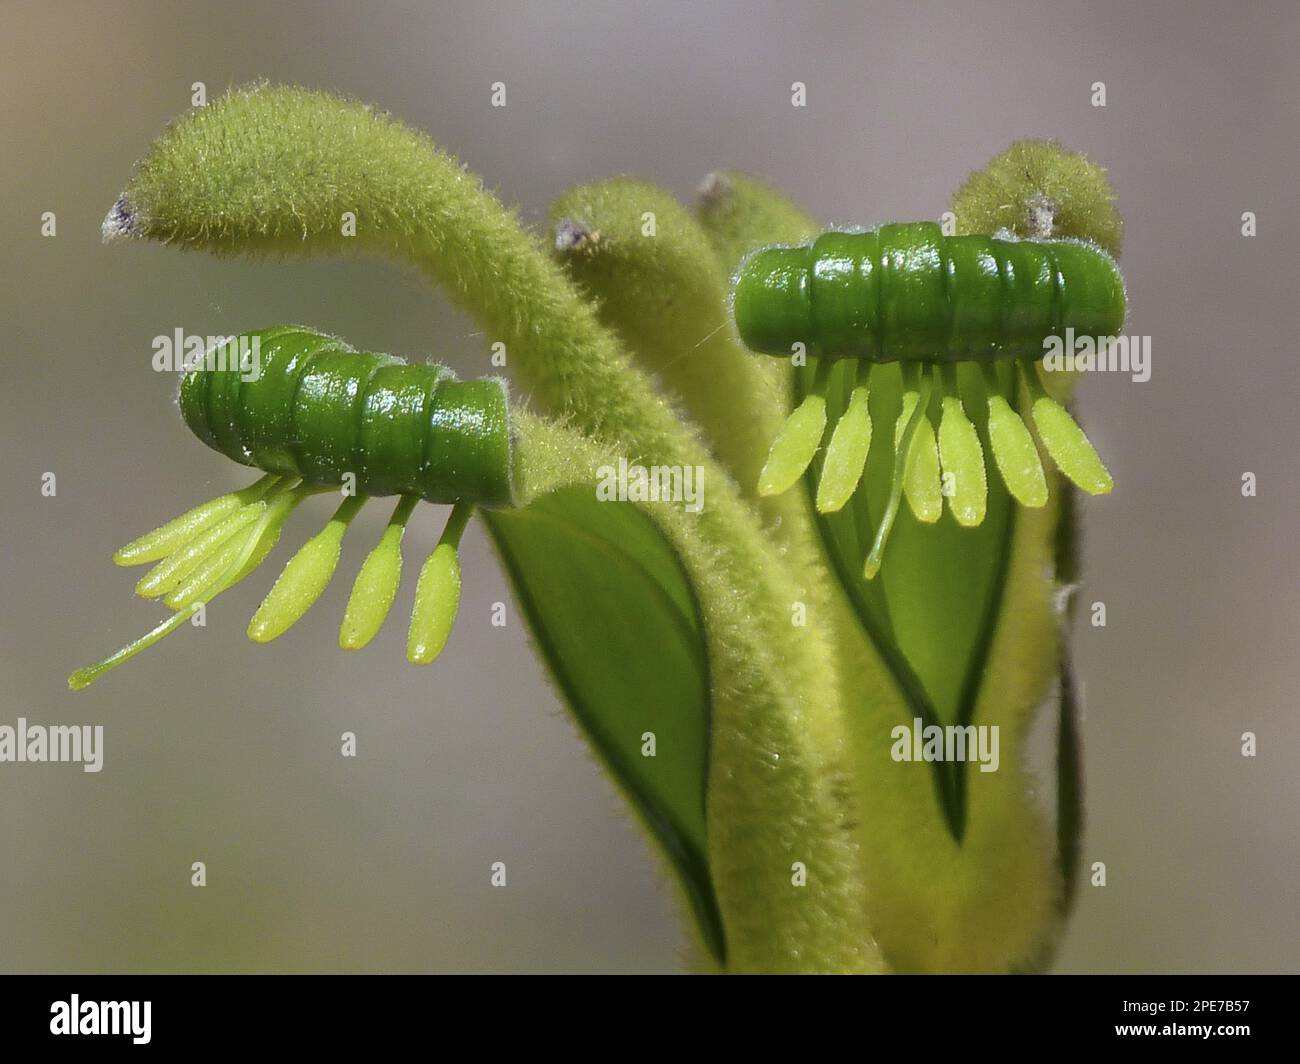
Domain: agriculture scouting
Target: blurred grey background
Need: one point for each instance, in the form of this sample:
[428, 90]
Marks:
[221, 751]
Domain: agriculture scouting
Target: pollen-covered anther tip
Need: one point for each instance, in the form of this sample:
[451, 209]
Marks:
[119, 222]
[572, 236]
[715, 189]
[1040, 217]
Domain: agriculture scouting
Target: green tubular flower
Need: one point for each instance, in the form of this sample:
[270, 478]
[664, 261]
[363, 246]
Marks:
[320, 415]
[910, 294]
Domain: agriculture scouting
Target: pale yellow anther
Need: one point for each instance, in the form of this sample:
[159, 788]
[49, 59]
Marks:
[304, 577]
[169, 573]
[437, 594]
[794, 447]
[846, 454]
[962, 460]
[200, 580]
[918, 386]
[437, 599]
[168, 538]
[1070, 449]
[241, 556]
[1015, 454]
[376, 584]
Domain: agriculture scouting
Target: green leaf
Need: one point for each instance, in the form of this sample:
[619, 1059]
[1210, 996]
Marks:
[615, 618]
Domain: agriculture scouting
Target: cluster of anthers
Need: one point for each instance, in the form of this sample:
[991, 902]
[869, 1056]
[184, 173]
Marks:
[908, 293]
[925, 461]
[214, 546]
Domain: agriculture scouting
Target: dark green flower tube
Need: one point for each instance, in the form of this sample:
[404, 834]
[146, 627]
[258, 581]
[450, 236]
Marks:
[299, 403]
[906, 292]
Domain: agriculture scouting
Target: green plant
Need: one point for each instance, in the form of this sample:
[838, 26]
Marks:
[741, 633]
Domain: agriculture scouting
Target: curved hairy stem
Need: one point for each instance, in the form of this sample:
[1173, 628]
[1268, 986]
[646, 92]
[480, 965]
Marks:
[659, 285]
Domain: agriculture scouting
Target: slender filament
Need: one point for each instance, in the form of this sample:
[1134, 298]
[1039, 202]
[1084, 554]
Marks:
[901, 453]
[921, 480]
[248, 551]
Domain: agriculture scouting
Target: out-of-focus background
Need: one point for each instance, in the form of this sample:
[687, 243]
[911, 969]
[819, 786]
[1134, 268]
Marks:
[221, 751]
